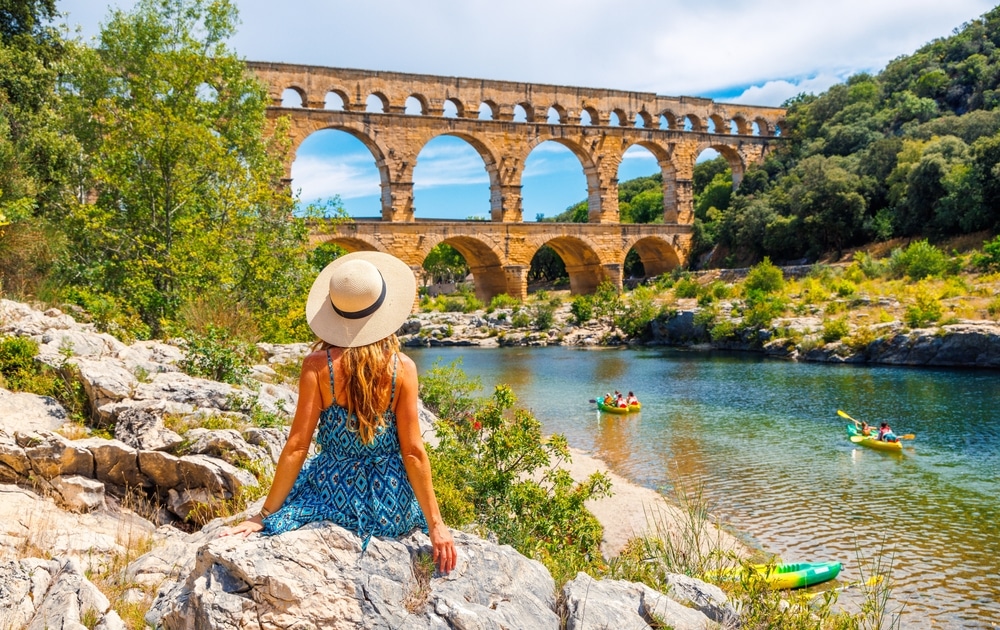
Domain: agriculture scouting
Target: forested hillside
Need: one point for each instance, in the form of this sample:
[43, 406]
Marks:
[913, 151]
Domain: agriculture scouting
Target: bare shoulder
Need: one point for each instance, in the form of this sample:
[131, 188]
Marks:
[407, 368]
[314, 361]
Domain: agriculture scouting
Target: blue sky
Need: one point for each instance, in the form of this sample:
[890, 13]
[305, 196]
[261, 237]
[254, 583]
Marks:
[760, 52]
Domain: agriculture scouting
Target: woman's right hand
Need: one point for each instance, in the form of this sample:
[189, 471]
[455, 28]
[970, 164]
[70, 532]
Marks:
[445, 555]
[250, 526]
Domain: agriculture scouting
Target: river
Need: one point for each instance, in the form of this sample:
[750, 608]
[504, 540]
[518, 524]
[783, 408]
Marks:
[761, 439]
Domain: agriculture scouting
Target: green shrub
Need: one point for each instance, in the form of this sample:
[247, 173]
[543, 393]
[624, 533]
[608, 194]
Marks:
[989, 259]
[215, 355]
[495, 466]
[582, 309]
[502, 300]
[761, 309]
[108, 315]
[686, 288]
[520, 318]
[544, 316]
[764, 277]
[918, 261]
[723, 331]
[925, 310]
[993, 308]
[17, 362]
[835, 329]
[870, 267]
[638, 312]
[447, 391]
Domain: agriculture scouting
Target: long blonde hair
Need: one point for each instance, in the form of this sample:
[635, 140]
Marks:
[367, 381]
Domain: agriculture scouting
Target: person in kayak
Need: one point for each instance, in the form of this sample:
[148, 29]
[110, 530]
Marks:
[620, 402]
[632, 400]
[885, 433]
[866, 428]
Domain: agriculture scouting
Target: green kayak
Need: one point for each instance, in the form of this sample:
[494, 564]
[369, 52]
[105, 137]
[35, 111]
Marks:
[788, 576]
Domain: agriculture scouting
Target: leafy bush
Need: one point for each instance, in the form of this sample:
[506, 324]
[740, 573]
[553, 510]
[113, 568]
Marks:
[918, 261]
[447, 391]
[870, 267]
[108, 315]
[761, 309]
[925, 310]
[17, 362]
[582, 309]
[638, 312]
[520, 318]
[502, 300]
[544, 316]
[993, 308]
[215, 355]
[686, 288]
[723, 331]
[493, 468]
[764, 277]
[989, 259]
[835, 329]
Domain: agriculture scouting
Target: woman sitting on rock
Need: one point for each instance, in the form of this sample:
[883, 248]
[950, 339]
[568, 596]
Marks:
[371, 475]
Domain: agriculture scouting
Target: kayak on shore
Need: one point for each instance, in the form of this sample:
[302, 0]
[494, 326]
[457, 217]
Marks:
[786, 576]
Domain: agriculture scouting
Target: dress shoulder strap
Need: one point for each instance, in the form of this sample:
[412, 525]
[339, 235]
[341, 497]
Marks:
[392, 394]
[329, 364]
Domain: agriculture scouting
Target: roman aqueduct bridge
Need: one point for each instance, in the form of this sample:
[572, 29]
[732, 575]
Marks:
[396, 114]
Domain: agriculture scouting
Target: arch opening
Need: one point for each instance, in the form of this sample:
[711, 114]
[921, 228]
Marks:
[292, 97]
[450, 180]
[640, 186]
[334, 101]
[336, 165]
[554, 185]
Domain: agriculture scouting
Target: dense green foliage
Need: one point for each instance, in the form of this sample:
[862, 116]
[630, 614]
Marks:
[493, 469]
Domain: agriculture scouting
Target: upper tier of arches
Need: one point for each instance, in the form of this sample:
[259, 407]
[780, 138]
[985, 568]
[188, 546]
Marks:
[466, 98]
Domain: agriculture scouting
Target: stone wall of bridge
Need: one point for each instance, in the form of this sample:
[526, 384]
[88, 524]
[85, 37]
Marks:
[499, 254]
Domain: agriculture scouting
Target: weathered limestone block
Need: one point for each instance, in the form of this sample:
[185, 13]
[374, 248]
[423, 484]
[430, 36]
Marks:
[141, 427]
[51, 455]
[708, 598]
[16, 601]
[105, 380]
[79, 494]
[618, 604]
[29, 412]
[225, 444]
[181, 388]
[14, 463]
[69, 597]
[115, 463]
[151, 357]
[270, 440]
[76, 342]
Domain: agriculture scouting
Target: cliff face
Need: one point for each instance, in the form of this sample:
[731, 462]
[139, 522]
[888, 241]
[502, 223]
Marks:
[120, 514]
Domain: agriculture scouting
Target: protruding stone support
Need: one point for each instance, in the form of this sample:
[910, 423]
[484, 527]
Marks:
[506, 204]
[397, 202]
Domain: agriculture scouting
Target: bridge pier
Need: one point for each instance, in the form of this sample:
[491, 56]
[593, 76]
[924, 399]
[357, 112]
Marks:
[517, 281]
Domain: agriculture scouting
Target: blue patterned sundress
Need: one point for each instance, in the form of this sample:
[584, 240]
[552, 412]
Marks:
[361, 487]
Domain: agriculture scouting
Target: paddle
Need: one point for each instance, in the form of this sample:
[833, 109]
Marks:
[844, 415]
[874, 580]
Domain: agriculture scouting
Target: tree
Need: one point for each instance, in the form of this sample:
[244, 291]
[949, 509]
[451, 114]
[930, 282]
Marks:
[445, 264]
[35, 156]
[188, 199]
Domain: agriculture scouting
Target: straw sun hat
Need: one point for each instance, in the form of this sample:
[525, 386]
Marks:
[360, 298]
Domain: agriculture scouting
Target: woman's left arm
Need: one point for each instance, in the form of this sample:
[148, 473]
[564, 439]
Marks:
[418, 466]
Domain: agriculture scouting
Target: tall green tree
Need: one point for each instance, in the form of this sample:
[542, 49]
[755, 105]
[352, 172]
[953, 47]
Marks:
[186, 180]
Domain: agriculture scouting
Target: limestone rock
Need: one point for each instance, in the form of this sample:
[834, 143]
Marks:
[79, 494]
[29, 412]
[593, 605]
[141, 427]
[316, 577]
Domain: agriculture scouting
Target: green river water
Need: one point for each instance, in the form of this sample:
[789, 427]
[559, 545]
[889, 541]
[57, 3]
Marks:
[762, 440]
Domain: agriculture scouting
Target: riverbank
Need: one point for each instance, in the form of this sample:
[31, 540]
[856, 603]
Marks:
[808, 338]
[635, 511]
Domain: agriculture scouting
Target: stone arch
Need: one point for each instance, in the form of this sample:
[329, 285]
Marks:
[778, 127]
[459, 106]
[643, 120]
[662, 156]
[300, 92]
[719, 123]
[485, 261]
[348, 243]
[525, 111]
[417, 102]
[620, 117]
[591, 173]
[742, 127]
[668, 120]
[378, 150]
[733, 158]
[377, 99]
[489, 156]
[594, 117]
[658, 256]
[330, 104]
[583, 264]
[763, 127]
[491, 108]
[694, 122]
[560, 113]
